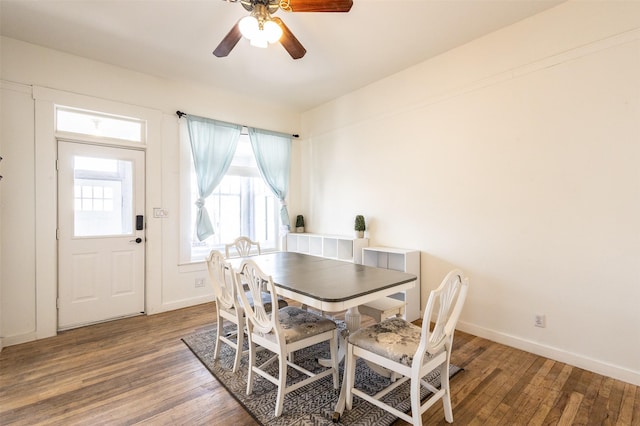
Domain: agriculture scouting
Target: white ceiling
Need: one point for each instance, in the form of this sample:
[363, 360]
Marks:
[174, 39]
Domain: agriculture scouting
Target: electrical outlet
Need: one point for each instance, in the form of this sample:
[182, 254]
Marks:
[199, 282]
[540, 321]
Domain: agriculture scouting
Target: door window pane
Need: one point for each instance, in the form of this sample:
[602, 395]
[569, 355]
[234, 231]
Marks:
[103, 191]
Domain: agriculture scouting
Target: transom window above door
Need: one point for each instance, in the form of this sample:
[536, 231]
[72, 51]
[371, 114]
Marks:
[98, 124]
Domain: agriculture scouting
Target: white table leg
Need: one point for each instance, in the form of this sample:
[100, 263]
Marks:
[353, 319]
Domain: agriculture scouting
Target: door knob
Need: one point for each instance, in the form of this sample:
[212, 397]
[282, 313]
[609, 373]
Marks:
[137, 240]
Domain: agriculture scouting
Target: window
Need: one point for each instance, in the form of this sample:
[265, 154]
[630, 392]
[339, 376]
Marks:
[241, 205]
[98, 124]
[102, 196]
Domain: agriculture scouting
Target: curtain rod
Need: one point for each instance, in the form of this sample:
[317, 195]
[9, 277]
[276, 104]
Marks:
[181, 114]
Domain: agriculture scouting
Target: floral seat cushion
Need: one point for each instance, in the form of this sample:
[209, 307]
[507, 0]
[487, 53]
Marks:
[299, 324]
[394, 339]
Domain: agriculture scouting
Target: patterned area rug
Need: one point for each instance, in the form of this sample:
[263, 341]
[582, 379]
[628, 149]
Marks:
[310, 405]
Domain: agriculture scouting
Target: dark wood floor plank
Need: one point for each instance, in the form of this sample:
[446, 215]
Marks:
[492, 391]
[636, 407]
[467, 384]
[551, 390]
[615, 401]
[532, 396]
[561, 399]
[599, 411]
[626, 408]
[583, 415]
[571, 408]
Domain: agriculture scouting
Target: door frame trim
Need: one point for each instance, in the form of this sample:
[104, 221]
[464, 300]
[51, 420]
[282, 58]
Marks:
[46, 262]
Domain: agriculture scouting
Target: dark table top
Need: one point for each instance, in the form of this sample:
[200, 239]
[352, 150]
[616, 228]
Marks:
[332, 284]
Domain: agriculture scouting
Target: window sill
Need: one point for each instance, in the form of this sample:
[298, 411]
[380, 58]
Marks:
[200, 265]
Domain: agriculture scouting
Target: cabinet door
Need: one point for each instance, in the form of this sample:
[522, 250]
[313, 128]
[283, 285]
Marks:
[292, 242]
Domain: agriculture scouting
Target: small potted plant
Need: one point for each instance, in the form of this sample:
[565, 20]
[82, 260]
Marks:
[299, 223]
[359, 226]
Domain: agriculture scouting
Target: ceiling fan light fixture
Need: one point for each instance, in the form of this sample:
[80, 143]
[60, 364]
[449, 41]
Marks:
[259, 28]
[259, 42]
[249, 27]
[272, 31]
[260, 34]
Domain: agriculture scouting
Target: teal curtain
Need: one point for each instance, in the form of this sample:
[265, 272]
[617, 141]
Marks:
[273, 156]
[213, 144]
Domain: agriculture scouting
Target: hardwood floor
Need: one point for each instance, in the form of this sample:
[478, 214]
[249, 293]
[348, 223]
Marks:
[137, 371]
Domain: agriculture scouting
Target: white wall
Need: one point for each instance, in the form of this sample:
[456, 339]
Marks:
[28, 275]
[17, 211]
[516, 158]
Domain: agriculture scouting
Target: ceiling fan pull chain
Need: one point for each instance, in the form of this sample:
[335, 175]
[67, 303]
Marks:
[285, 5]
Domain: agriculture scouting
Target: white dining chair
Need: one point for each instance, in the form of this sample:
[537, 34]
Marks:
[282, 332]
[222, 277]
[412, 351]
[242, 246]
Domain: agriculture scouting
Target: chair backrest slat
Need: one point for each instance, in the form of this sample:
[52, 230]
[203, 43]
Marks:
[242, 247]
[256, 280]
[222, 278]
[446, 304]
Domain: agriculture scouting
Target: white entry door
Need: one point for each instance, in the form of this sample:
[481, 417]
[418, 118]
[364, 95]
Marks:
[101, 241]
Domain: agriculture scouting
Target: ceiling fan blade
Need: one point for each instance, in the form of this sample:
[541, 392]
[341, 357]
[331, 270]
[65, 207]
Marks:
[228, 42]
[318, 5]
[289, 41]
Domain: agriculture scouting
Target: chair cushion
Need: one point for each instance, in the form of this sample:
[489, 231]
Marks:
[394, 339]
[299, 324]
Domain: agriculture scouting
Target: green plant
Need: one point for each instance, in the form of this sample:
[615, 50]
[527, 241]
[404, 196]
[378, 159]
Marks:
[359, 225]
[299, 221]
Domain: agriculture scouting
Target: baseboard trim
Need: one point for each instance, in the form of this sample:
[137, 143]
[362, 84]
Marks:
[18, 339]
[556, 354]
[33, 335]
[179, 304]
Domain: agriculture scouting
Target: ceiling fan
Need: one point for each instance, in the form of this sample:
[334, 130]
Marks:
[261, 28]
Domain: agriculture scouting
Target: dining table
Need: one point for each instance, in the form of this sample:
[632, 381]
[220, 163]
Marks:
[330, 285]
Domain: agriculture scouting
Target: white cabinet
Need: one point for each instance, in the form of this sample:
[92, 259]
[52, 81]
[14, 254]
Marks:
[330, 246]
[400, 260]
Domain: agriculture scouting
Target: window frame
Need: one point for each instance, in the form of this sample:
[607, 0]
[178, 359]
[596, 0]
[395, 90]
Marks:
[187, 205]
